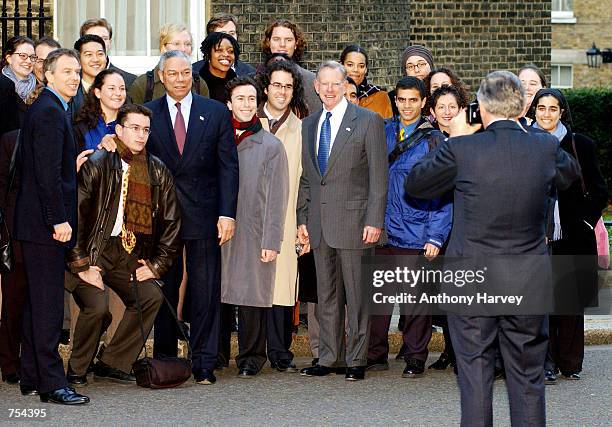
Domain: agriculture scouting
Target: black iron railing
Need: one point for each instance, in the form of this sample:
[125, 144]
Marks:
[16, 18]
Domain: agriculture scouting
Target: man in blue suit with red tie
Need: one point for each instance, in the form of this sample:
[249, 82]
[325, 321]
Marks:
[193, 136]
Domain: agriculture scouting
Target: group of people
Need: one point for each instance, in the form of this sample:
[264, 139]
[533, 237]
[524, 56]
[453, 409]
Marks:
[207, 184]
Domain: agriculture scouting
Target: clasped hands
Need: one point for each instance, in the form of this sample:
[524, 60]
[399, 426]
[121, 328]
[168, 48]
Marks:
[93, 275]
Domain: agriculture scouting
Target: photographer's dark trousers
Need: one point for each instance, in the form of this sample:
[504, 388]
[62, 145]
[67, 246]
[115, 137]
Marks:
[416, 331]
[523, 342]
[123, 350]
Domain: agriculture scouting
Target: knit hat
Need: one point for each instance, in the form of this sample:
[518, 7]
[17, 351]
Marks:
[417, 50]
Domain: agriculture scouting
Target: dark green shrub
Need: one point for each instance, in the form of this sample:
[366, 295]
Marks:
[592, 115]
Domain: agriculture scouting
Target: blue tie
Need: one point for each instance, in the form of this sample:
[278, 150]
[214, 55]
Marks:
[324, 143]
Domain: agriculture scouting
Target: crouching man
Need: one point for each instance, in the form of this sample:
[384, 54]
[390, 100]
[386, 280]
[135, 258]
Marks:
[128, 235]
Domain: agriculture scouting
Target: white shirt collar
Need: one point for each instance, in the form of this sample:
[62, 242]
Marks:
[268, 114]
[185, 102]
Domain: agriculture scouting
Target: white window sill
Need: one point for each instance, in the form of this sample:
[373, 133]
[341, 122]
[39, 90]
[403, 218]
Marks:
[563, 20]
[565, 17]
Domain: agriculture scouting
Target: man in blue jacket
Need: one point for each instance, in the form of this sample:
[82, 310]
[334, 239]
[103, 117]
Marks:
[414, 226]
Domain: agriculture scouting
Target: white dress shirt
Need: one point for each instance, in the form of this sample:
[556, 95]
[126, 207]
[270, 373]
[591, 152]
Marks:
[119, 221]
[335, 121]
[185, 108]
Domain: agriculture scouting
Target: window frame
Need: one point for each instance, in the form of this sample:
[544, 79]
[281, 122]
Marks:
[557, 67]
[199, 12]
[562, 16]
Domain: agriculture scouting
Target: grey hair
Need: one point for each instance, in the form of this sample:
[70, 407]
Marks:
[171, 54]
[334, 66]
[502, 94]
[50, 63]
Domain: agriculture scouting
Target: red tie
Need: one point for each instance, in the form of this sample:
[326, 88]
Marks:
[179, 128]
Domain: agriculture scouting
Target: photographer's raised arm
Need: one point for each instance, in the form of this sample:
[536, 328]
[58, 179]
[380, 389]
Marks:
[433, 175]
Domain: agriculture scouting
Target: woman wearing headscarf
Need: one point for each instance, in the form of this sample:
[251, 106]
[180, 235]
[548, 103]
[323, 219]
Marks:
[355, 60]
[576, 212]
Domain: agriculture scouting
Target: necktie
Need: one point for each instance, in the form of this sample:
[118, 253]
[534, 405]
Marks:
[180, 133]
[324, 143]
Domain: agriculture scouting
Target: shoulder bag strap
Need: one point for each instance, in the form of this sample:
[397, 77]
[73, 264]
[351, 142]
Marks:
[584, 190]
[407, 144]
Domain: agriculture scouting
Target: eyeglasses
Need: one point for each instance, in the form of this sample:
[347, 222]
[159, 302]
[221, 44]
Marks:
[23, 56]
[417, 66]
[278, 86]
[176, 45]
[39, 61]
[137, 129]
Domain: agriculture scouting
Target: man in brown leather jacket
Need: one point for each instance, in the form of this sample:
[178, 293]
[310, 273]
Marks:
[128, 236]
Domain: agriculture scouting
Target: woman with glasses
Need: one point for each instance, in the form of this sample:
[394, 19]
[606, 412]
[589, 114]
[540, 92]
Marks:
[99, 112]
[16, 81]
[149, 86]
[576, 212]
[220, 51]
[355, 60]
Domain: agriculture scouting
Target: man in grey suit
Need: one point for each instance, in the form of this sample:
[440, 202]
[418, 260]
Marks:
[341, 212]
[501, 179]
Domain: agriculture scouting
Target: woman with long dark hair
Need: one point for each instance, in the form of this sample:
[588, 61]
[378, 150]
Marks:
[99, 112]
[576, 212]
[356, 61]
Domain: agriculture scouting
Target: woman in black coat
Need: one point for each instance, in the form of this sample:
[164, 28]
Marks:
[220, 51]
[575, 215]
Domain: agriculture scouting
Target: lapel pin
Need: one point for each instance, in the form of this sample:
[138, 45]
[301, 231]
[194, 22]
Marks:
[348, 129]
[201, 118]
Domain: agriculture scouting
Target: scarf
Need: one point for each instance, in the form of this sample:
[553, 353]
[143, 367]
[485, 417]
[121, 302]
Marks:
[366, 89]
[559, 132]
[22, 87]
[274, 124]
[251, 127]
[137, 211]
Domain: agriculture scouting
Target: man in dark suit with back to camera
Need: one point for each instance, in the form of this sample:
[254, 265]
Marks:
[341, 213]
[45, 217]
[193, 136]
[501, 179]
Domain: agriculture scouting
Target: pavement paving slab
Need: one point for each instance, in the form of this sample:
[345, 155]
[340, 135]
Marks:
[281, 399]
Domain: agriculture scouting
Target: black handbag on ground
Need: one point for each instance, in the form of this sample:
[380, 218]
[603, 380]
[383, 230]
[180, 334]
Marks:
[6, 246]
[158, 373]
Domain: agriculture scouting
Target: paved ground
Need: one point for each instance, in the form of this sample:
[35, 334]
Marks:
[384, 398]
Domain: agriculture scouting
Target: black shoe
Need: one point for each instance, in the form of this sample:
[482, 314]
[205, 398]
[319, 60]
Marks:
[104, 371]
[27, 390]
[575, 376]
[499, 373]
[315, 361]
[65, 336]
[220, 365]
[402, 351]
[12, 378]
[414, 368]
[355, 373]
[247, 373]
[317, 371]
[377, 365]
[549, 377]
[205, 376]
[64, 396]
[284, 366]
[442, 363]
[74, 379]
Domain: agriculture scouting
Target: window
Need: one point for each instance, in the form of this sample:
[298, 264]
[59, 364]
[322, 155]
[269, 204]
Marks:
[562, 12]
[135, 24]
[562, 76]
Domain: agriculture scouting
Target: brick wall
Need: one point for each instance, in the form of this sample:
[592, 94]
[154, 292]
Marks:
[379, 26]
[474, 37]
[593, 24]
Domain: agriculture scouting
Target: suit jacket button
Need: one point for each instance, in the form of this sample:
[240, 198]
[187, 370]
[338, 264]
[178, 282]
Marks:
[322, 182]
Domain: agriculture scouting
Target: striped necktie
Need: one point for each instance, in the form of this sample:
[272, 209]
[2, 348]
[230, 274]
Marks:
[324, 143]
